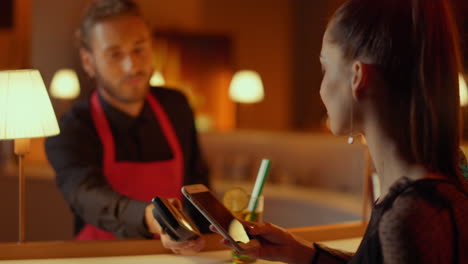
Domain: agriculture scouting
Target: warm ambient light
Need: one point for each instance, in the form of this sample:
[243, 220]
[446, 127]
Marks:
[25, 108]
[246, 87]
[157, 79]
[25, 112]
[65, 84]
[463, 91]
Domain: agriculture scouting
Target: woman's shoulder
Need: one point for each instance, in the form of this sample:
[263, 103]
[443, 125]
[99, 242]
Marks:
[424, 217]
[437, 191]
[426, 196]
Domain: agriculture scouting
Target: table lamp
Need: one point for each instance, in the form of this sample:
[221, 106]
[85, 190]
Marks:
[157, 79]
[25, 112]
[65, 84]
[246, 87]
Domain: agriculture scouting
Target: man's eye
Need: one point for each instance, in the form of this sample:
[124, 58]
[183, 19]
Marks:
[143, 50]
[115, 55]
[138, 50]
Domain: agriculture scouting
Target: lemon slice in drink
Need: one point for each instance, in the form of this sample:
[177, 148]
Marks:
[236, 199]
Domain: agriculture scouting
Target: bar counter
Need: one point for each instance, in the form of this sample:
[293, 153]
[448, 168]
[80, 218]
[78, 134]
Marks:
[344, 236]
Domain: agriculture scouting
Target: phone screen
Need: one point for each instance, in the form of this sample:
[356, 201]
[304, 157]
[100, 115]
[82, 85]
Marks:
[221, 215]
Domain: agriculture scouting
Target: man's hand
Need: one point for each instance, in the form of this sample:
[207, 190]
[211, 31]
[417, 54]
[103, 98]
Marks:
[183, 248]
[151, 223]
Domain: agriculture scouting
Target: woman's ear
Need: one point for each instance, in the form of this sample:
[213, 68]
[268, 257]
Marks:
[359, 77]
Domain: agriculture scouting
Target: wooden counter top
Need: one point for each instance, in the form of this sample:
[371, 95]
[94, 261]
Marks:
[77, 249]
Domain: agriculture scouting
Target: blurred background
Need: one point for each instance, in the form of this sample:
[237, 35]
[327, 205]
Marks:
[199, 46]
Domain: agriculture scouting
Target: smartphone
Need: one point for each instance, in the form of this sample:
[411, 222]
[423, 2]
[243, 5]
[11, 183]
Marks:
[174, 221]
[220, 217]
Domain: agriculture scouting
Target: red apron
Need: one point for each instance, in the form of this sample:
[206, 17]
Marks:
[136, 180]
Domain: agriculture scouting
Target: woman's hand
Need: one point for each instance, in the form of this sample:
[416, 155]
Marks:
[277, 244]
[183, 248]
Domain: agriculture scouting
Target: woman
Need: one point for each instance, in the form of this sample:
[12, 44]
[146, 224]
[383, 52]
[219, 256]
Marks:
[390, 72]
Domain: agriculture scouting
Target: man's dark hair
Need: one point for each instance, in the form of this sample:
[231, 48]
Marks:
[101, 10]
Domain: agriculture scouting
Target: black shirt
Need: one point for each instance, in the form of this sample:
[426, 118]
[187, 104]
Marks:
[76, 154]
[422, 221]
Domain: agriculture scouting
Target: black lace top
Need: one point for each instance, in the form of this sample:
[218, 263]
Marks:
[423, 221]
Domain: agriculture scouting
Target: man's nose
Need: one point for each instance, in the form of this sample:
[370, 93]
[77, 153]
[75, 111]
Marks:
[131, 64]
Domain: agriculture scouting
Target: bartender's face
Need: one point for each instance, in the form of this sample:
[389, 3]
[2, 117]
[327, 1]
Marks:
[120, 58]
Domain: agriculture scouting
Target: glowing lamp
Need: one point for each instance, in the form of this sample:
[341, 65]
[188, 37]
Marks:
[25, 112]
[65, 84]
[157, 79]
[246, 87]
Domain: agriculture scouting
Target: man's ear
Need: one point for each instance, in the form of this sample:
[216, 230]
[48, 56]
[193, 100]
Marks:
[359, 78]
[87, 62]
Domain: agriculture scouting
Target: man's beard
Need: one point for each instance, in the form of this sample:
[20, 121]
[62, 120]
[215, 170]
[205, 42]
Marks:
[112, 92]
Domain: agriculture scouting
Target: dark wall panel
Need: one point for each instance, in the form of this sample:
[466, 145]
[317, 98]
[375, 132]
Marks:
[6, 14]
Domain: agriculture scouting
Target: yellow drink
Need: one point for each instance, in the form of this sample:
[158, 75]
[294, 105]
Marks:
[247, 216]
[236, 200]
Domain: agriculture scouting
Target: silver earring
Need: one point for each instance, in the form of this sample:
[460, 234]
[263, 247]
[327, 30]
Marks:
[351, 138]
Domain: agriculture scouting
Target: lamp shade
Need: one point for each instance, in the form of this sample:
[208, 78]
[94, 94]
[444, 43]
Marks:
[246, 87]
[25, 108]
[463, 90]
[65, 84]
[157, 79]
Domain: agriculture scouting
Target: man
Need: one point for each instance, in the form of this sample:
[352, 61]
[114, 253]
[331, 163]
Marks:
[128, 142]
